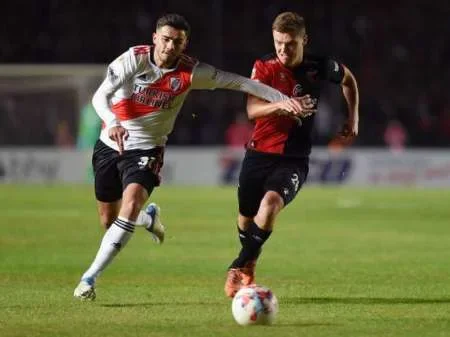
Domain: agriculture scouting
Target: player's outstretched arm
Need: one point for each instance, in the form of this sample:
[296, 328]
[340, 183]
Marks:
[294, 107]
[206, 76]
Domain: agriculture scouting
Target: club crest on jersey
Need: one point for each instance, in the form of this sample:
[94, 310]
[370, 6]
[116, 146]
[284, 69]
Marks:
[175, 83]
[296, 92]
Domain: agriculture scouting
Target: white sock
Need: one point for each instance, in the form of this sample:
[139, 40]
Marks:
[143, 219]
[115, 238]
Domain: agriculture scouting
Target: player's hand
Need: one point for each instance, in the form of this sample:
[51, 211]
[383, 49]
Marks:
[345, 137]
[308, 106]
[297, 106]
[118, 134]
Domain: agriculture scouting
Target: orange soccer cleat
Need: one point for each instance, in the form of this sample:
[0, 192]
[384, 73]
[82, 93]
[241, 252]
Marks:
[239, 277]
[233, 282]
[248, 273]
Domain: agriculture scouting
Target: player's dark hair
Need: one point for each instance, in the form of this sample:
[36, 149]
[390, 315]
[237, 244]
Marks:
[174, 20]
[289, 22]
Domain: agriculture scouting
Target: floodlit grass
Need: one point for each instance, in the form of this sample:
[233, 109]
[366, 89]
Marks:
[342, 262]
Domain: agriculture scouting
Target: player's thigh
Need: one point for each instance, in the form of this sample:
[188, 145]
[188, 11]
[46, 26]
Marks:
[288, 178]
[107, 182]
[252, 177]
[141, 167]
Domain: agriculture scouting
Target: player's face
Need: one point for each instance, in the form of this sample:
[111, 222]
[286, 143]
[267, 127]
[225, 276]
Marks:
[289, 47]
[169, 44]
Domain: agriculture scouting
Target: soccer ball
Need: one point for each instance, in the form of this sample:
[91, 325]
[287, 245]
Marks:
[254, 304]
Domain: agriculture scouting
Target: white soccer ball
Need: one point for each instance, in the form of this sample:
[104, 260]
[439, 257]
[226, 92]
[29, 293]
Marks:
[254, 304]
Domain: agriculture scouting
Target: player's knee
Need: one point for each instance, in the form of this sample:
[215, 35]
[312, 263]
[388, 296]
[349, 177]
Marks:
[131, 208]
[272, 202]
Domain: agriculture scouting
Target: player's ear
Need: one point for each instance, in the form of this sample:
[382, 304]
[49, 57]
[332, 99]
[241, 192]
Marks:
[185, 44]
[305, 40]
[154, 38]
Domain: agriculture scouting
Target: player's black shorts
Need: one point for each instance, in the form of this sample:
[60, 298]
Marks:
[113, 172]
[262, 172]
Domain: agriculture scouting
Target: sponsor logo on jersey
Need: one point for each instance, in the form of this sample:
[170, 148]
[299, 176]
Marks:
[152, 97]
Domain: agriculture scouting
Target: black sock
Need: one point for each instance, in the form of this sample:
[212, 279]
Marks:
[251, 247]
[242, 236]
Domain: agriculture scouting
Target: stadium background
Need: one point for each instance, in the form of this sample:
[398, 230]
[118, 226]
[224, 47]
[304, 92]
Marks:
[399, 53]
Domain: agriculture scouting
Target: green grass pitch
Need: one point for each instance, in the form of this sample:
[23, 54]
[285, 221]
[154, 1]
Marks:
[342, 262]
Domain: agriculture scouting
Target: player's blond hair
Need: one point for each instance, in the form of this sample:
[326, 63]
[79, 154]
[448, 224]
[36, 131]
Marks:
[289, 22]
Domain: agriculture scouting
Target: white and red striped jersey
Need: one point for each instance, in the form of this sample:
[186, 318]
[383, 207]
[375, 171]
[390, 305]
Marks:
[146, 99]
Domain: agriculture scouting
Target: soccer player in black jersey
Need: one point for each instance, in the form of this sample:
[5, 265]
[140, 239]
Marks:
[277, 157]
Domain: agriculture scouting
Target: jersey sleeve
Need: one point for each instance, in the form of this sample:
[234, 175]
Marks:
[261, 73]
[206, 76]
[119, 71]
[333, 71]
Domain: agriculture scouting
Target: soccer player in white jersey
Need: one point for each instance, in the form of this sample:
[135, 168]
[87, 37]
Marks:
[138, 101]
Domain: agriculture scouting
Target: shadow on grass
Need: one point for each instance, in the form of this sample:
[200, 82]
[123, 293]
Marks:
[304, 324]
[155, 304]
[299, 300]
[363, 300]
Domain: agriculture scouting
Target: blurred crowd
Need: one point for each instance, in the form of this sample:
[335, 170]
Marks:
[399, 52]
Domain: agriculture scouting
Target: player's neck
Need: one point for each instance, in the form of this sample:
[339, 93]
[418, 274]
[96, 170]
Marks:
[295, 64]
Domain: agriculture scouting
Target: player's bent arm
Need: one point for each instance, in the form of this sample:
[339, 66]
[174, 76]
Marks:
[120, 70]
[351, 94]
[101, 103]
[206, 76]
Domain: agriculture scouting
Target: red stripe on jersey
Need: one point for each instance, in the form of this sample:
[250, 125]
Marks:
[159, 95]
[128, 109]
